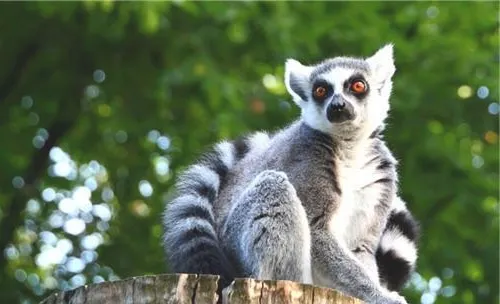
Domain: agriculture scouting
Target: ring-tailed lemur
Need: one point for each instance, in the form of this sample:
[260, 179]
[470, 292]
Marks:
[315, 202]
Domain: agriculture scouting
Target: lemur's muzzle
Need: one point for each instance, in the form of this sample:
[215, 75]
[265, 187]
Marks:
[339, 110]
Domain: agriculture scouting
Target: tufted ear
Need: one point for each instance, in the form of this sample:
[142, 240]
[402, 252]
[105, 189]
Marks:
[297, 80]
[382, 63]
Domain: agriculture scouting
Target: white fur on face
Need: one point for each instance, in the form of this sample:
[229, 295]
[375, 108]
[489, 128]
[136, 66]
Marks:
[315, 115]
[370, 113]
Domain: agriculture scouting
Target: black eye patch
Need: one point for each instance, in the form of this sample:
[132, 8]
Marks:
[357, 86]
[321, 90]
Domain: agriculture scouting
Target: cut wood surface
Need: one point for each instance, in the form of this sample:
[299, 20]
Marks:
[198, 289]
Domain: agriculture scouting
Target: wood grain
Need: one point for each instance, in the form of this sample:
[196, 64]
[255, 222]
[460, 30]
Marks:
[198, 289]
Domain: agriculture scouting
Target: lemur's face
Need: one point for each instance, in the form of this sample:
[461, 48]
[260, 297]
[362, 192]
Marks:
[343, 94]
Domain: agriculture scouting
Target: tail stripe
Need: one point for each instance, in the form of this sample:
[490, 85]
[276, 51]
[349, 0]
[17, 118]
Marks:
[201, 246]
[402, 246]
[194, 211]
[397, 252]
[241, 147]
[401, 235]
[190, 238]
[226, 153]
[403, 222]
[200, 180]
[192, 231]
[258, 140]
[215, 162]
[196, 175]
[394, 272]
[188, 200]
[200, 224]
[204, 252]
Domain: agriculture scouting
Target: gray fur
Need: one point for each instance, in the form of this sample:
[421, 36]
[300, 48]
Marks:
[267, 205]
[306, 157]
[340, 62]
[313, 202]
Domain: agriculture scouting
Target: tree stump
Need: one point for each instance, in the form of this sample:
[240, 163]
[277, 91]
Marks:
[198, 289]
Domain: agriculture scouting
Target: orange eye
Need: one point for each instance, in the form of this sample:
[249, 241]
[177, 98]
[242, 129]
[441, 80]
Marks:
[320, 92]
[358, 86]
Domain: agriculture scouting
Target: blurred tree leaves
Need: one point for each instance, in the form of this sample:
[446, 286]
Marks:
[133, 92]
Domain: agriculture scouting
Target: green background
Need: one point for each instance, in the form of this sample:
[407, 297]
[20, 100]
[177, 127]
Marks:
[102, 104]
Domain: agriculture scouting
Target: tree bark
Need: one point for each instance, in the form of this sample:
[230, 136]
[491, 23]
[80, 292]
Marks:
[198, 289]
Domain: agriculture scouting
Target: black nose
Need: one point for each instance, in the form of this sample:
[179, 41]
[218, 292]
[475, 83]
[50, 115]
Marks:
[337, 106]
[339, 111]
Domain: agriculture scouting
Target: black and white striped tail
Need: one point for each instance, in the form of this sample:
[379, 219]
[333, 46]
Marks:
[397, 252]
[190, 238]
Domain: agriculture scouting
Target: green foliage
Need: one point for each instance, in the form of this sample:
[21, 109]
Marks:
[102, 103]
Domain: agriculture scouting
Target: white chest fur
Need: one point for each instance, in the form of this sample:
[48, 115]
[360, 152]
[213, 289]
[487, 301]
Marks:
[351, 222]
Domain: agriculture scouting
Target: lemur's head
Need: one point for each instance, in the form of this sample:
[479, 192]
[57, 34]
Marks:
[343, 94]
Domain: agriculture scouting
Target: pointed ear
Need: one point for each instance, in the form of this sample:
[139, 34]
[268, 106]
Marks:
[382, 63]
[297, 80]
